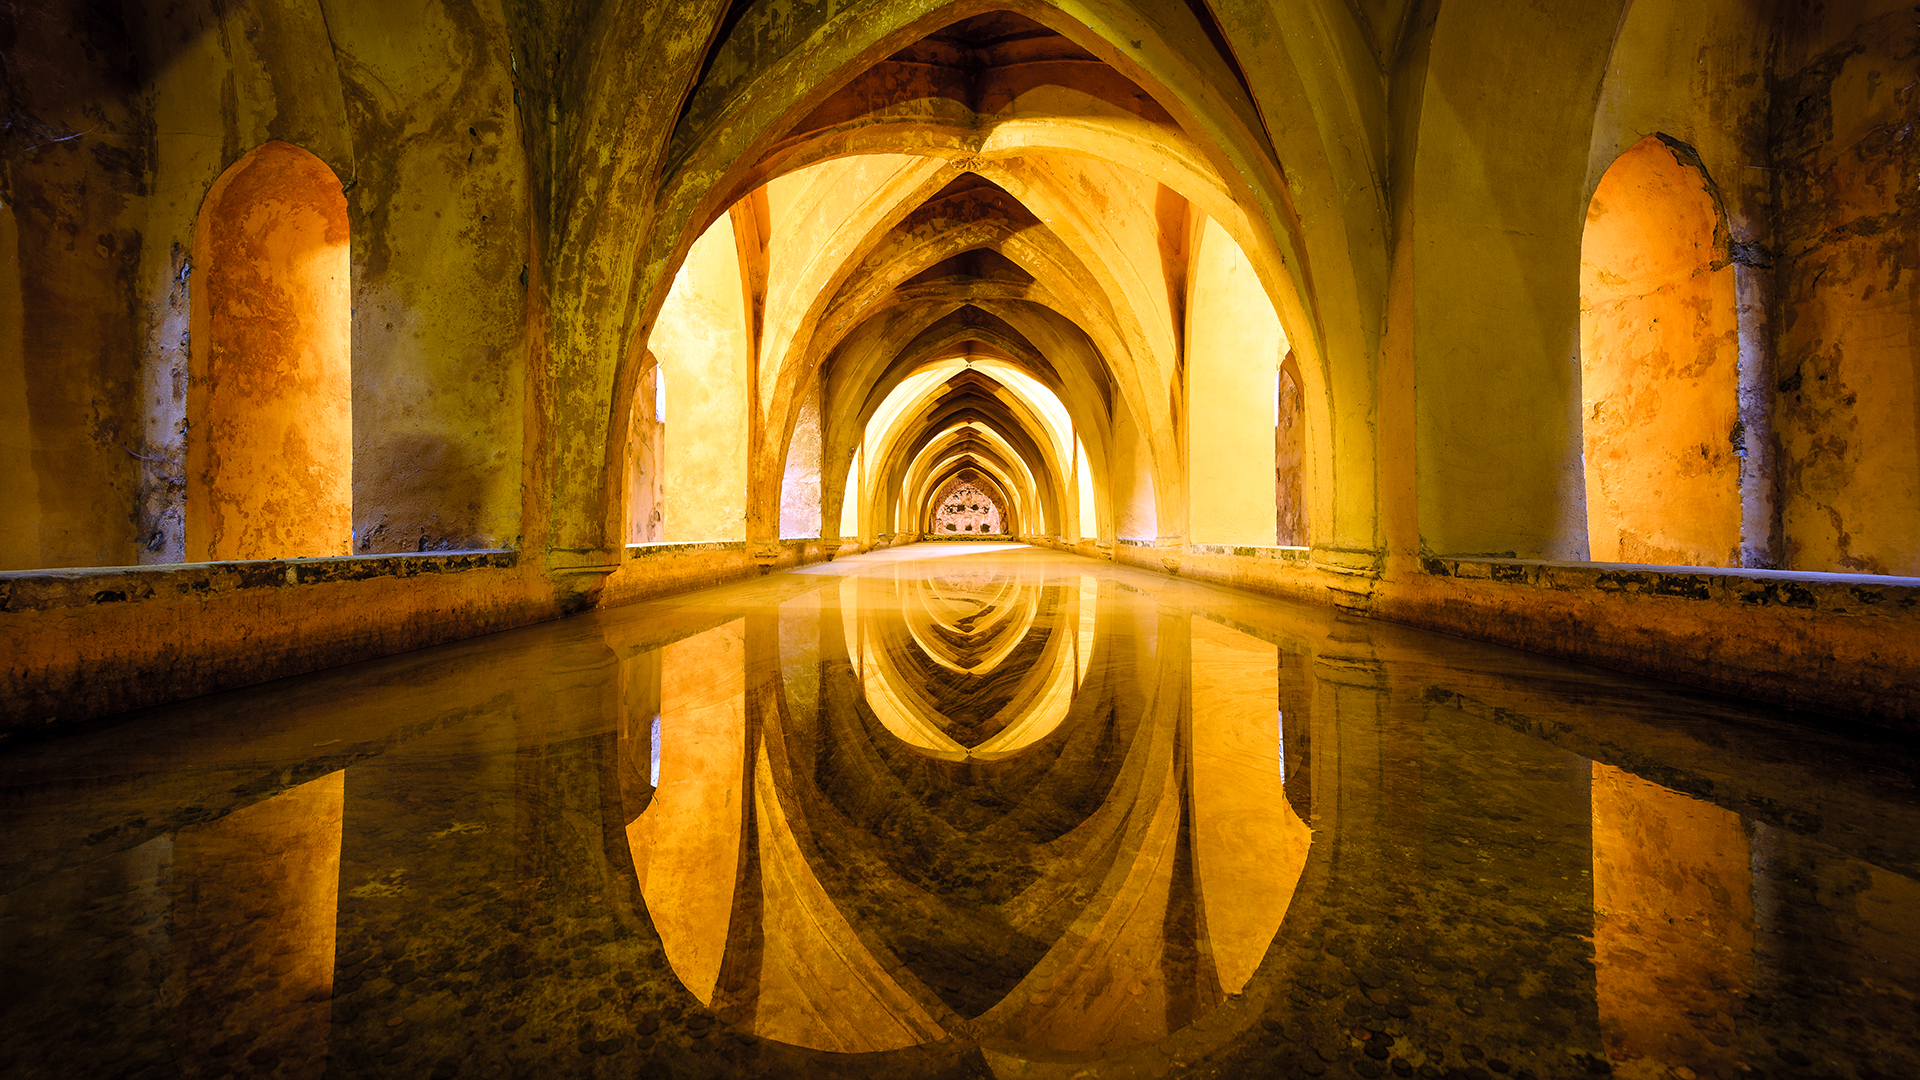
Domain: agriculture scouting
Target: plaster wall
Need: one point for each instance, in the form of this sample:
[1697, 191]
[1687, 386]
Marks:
[1848, 367]
[73, 181]
[433, 170]
[1693, 70]
[159, 104]
[705, 357]
[439, 202]
[1698, 73]
[800, 486]
[223, 82]
[1234, 347]
[1497, 198]
[1134, 514]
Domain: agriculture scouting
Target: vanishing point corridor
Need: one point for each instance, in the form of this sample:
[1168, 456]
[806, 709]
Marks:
[1016, 539]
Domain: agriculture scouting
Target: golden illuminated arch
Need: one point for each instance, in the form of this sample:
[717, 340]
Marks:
[270, 405]
[1659, 364]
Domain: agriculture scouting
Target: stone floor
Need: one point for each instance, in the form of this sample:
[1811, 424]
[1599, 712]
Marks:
[961, 810]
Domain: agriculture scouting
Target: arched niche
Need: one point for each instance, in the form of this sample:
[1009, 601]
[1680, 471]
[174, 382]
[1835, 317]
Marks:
[270, 408]
[1659, 365]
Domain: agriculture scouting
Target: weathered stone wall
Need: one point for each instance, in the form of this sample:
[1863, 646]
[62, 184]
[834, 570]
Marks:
[415, 118]
[78, 168]
[962, 507]
[1695, 73]
[440, 198]
[1848, 228]
[1496, 198]
[84, 643]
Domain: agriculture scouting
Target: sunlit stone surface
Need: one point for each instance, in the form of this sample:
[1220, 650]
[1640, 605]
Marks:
[960, 810]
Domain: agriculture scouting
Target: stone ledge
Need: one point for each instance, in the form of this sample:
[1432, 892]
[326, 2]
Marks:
[1830, 594]
[1278, 554]
[652, 551]
[1841, 646]
[48, 590]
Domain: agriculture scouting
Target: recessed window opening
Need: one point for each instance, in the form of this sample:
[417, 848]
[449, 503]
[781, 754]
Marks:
[653, 767]
[1289, 457]
[646, 454]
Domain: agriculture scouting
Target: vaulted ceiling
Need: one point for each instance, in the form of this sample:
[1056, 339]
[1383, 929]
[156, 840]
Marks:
[988, 190]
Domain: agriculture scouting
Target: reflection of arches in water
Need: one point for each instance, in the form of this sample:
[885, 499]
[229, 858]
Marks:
[1096, 891]
[969, 631]
[973, 686]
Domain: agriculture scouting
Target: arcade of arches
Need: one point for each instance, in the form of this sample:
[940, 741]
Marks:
[328, 332]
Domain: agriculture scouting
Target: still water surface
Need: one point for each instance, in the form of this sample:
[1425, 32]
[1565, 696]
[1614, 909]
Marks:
[960, 810]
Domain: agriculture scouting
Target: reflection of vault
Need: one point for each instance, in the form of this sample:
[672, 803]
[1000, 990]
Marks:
[932, 662]
[854, 909]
